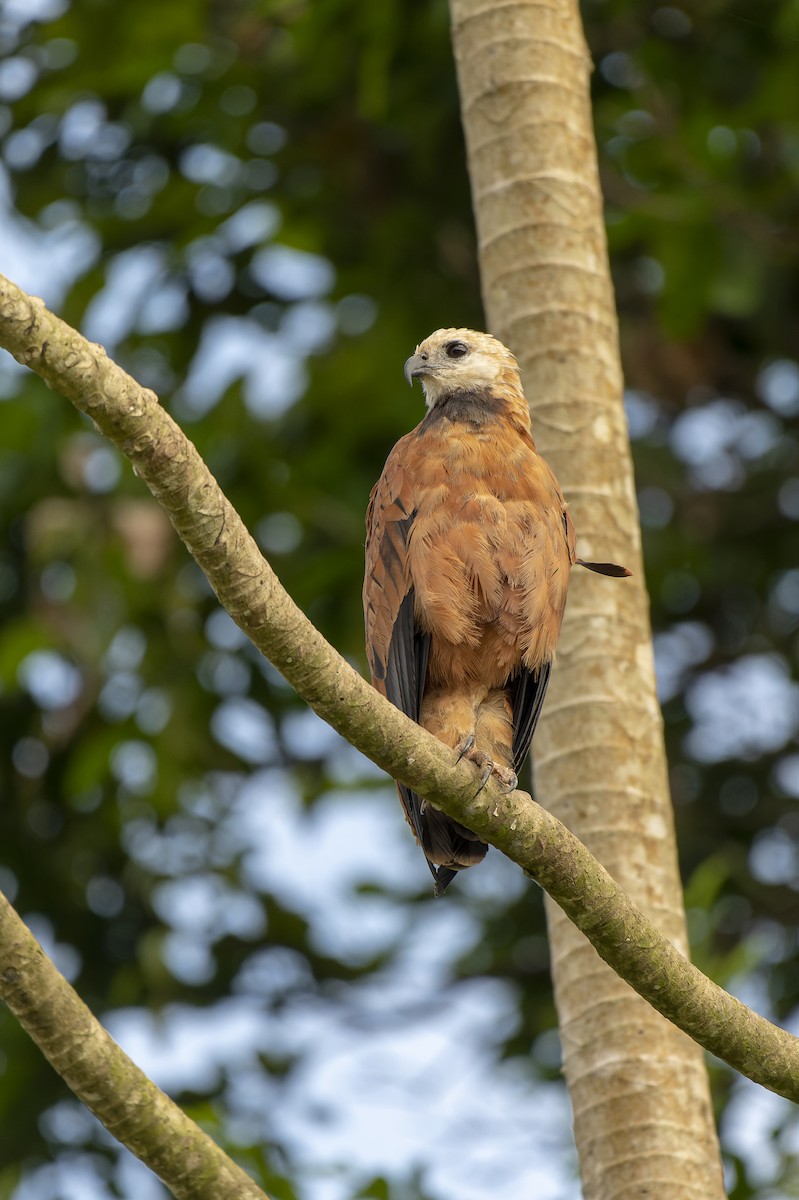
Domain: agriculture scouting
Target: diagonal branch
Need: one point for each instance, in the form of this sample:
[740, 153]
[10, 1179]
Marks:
[100, 1074]
[245, 584]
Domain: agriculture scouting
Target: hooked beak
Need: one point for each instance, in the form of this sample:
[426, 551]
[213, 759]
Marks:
[415, 366]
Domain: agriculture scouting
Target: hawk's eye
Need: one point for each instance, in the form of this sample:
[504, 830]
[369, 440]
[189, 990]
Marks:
[456, 349]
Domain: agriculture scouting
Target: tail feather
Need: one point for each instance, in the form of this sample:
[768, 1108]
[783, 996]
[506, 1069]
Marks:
[443, 877]
[605, 568]
[449, 843]
[448, 846]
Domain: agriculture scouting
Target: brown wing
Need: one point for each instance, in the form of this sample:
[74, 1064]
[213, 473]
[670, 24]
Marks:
[397, 650]
[396, 647]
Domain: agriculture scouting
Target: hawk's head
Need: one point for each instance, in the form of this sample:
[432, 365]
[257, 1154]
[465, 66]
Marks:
[461, 360]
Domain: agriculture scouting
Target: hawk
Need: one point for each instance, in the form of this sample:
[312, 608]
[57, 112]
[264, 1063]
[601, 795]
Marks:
[469, 545]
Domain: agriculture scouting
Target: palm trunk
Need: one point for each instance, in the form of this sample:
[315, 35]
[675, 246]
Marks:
[642, 1110]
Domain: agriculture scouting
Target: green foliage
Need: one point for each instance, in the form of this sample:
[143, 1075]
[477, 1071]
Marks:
[167, 162]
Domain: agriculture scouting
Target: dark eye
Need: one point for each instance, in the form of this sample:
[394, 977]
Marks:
[456, 349]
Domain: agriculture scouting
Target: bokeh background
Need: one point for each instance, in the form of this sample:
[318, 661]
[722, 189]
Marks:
[259, 207]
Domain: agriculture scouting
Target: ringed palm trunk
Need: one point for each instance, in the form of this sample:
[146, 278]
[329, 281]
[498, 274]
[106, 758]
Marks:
[639, 1089]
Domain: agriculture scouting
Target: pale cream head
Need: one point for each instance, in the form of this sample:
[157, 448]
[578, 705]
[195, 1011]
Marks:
[461, 360]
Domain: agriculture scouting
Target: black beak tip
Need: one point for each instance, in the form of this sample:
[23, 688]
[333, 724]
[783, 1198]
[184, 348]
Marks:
[407, 371]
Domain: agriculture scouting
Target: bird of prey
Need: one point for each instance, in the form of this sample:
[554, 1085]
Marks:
[469, 545]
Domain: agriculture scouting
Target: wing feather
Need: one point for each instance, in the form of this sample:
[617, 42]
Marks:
[528, 690]
[396, 647]
[398, 651]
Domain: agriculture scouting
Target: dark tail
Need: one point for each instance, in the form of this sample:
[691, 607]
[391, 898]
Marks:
[605, 568]
[443, 877]
[448, 846]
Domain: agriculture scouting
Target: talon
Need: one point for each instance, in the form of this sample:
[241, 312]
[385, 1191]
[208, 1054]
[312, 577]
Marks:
[505, 776]
[485, 775]
[465, 747]
[486, 767]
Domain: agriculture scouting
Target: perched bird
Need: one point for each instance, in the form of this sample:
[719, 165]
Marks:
[469, 545]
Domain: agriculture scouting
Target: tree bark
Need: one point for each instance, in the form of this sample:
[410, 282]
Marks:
[639, 1089]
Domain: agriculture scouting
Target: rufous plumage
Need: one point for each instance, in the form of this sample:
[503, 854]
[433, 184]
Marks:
[469, 547]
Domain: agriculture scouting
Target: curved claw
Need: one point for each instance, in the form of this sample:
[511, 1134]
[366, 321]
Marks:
[485, 775]
[465, 746]
[505, 776]
[509, 783]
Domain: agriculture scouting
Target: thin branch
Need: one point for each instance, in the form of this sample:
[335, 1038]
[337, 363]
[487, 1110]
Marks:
[245, 584]
[100, 1074]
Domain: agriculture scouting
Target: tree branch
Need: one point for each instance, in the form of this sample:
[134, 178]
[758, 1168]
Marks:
[100, 1074]
[245, 584]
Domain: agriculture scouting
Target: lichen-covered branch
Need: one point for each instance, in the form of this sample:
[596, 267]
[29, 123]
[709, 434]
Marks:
[129, 1104]
[173, 470]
